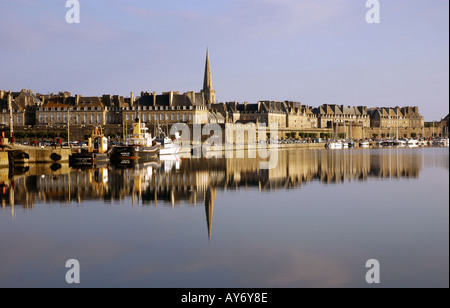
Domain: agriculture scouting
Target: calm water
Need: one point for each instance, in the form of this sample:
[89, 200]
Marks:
[313, 221]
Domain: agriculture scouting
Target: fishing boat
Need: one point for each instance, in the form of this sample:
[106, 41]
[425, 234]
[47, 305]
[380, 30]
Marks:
[168, 146]
[139, 147]
[96, 153]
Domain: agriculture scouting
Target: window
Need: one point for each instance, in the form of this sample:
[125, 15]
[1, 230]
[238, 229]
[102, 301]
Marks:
[190, 116]
[144, 118]
[178, 117]
[161, 117]
[172, 117]
[58, 118]
[99, 119]
[52, 118]
[184, 117]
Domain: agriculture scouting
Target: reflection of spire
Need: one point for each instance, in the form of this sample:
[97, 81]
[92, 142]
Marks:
[210, 197]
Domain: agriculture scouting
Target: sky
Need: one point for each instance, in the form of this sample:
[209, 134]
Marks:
[310, 51]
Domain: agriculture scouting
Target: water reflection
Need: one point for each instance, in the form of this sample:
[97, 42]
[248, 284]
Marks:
[175, 179]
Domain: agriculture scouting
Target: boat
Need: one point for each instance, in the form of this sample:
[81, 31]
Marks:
[334, 145]
[168, 146]
[400, 142]
[139, 147]
[351, 144]
[387, 143]
[96, 153]
[364, 144]
[412, 143]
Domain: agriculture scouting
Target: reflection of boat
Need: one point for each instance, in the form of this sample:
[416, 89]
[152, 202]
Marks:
[139, 147]
[96, 153]
[170, 161]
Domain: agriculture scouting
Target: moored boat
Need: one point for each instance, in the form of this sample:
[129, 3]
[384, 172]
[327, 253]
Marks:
[96, 153]
[138, 147]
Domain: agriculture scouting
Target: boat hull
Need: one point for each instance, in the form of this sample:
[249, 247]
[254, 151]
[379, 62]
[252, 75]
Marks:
[130, 155]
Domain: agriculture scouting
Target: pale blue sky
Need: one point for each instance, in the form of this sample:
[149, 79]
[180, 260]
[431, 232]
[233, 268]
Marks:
[310, 51]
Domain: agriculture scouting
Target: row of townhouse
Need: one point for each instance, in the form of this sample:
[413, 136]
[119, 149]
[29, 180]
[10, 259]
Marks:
[191, 108]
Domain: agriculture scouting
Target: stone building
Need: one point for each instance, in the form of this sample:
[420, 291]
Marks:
[327, 115]
[168, 108]
[23, 104]
[387, 117]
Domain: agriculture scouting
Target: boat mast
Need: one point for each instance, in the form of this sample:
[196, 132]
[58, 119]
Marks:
[68, 127]
[11, 122]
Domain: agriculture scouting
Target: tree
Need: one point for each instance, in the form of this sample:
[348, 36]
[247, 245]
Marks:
[375, 136]
[63, 135]
[383, 135]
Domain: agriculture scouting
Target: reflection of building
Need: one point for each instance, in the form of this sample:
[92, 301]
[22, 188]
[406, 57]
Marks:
[194, 181]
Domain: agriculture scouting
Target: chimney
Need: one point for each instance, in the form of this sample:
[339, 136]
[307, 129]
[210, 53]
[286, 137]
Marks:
[132, 98]
[193, 97]
[171, 99]
[2, 94]
[259, 106]
[154, 98]
[77, 99]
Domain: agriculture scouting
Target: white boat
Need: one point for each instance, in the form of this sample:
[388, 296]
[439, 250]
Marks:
[423, 142]
[168, 146]
[412, 143]
[400, 142]
[364, 144]
[334, 145]
[345, 144]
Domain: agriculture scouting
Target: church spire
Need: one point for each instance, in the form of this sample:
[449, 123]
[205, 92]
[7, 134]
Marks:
[207, 81]
[209, 92]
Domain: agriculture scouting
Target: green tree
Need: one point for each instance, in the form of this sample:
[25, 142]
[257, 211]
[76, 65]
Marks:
[63, 135]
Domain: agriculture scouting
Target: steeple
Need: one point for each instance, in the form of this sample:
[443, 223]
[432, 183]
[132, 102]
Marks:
[210, 197]
[207, 81]
[209, 92]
